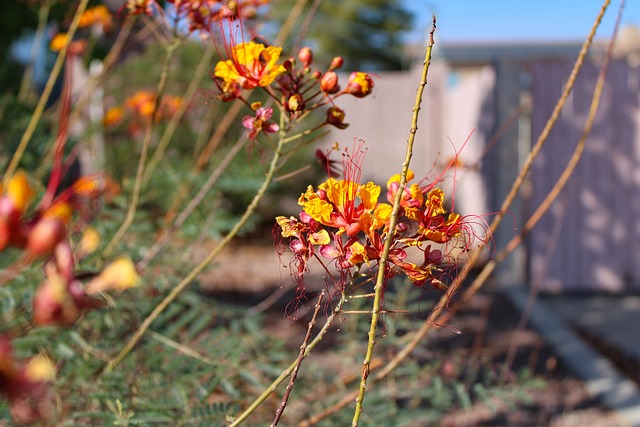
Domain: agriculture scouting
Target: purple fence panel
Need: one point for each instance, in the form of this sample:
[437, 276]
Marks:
[589, 240]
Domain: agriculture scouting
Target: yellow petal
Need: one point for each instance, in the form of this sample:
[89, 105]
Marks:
[121, 274]
[40, 368]
[319, 238]
[90, 241]
[20, 191]
[369, 194]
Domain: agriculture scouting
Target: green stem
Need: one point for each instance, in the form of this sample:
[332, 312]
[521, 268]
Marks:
[42, 102]
[137, 188]
[380, 279]
[204, 263]
[287, 372]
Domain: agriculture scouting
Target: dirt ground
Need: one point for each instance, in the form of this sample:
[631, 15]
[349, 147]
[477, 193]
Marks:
[490, 333]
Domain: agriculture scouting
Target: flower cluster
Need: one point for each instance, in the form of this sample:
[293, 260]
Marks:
[344, 221]
[140, 108]
[199, 15]
[43, 234]
[98, 19]
[292, 84]
[98, 16]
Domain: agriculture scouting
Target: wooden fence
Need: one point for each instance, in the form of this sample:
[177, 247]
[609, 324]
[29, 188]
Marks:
[590, 240]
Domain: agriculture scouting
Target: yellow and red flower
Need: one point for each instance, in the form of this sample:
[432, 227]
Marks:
[251, 65]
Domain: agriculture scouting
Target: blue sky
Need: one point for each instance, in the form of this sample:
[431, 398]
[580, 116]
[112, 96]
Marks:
[516, 20]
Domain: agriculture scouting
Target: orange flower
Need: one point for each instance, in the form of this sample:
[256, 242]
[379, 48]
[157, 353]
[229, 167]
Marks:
[58, 42]
[98, 15]
[113, 117]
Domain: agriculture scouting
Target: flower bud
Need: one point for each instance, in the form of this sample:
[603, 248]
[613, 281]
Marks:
[316, 75]
[329, 82]
[305, 55]
[56, 302]
[401, 227]
[359, 84]
[9, 223]
[44, 236]
[322, 194]
[335, 117]
[336, 63]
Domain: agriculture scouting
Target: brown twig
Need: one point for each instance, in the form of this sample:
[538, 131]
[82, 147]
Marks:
[294, 372]
[272, 387]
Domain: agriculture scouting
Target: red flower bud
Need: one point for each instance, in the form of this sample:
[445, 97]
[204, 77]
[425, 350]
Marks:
[9, 222]
[305, 55]
[359, 84]
[316, 74]
[57, 302]
[44, 236]
[329, 82]
[336, 63]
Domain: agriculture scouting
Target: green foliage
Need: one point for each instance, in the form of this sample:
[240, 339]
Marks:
[367, 33]
[14, 117]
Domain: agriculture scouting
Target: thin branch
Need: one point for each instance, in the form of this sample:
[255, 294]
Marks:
[301, 356]
[272, 387]
[380, 279]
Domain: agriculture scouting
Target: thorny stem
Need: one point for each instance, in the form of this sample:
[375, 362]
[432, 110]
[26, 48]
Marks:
[427, 326]
[274, 385]
[137, 187]
[291, 20]
[301, 356]
[392, 225]
[226, 122]
[205, 262]
[42, 102]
